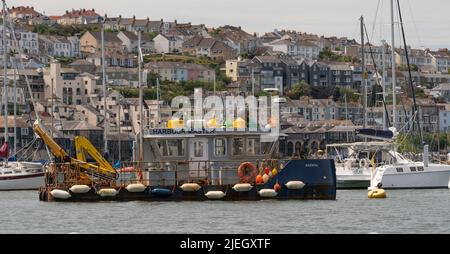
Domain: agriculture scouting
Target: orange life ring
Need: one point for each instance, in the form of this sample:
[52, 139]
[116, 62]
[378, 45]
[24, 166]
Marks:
[247, 172]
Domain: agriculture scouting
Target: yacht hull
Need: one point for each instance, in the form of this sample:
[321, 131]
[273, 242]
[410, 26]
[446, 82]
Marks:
[348, 184]
[419, 180]
[22, 182]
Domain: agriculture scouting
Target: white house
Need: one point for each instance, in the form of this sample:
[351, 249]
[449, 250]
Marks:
[130, 41]
[444, 119]
[167, 44]
[297, 49]
[29, 42]
[60, 46]
[377, 52]
[441, 60]
[418, 57]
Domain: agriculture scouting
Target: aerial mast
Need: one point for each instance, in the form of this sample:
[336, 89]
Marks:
[141, 103]
[105, 122]
[5, 74]
[394, 68]
[383, 82]
[363, 74]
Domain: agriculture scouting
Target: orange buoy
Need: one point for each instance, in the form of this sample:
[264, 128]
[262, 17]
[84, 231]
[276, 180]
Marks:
[259, 179]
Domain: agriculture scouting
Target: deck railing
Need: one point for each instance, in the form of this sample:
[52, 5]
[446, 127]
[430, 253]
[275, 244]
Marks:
[162, 173]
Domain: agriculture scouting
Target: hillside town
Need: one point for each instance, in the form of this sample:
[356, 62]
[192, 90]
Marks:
[320, 76]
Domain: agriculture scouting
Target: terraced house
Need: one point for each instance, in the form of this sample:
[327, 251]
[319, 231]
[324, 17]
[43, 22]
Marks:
[209, 47]
[91, 42]
[441, 60]
[80, 17]
[177, 71]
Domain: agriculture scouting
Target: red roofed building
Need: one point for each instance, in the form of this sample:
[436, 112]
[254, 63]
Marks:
[80, 17]
[23, 12]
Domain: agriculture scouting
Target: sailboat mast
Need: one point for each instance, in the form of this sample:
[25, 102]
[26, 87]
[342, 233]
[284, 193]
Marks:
[253, 81]
[5, 74]
[394, 68]
[141, 103]
[157, 101]
[105, 121]
[15, 110]
[363, 74]
[383, 82]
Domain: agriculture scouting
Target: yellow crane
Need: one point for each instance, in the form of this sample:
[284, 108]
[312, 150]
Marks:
[103, 170]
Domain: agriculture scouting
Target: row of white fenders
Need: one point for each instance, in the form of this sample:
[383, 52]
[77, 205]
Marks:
[187, 187]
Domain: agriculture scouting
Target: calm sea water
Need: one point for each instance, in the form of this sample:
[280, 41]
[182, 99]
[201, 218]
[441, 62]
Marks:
[404, 211]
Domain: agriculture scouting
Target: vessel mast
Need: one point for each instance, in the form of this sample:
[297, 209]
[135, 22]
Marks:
[15, 110]
[5, 74]
[383, 82]
[105, 121]
[141, 103]
[394, 68]
[363, 74]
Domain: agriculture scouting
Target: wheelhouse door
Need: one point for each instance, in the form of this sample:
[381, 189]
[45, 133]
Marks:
[198, 155]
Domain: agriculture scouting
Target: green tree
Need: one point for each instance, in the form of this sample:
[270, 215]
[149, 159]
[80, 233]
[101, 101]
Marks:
[351, 95]
[299, 90]
[404, 67]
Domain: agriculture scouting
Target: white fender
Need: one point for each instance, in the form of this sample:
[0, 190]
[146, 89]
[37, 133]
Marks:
[80, 189]
[215, 194]
[268, 193]
[242, 187]
[295, 185]
[108, 192]
[136, 187]
[60, 194]
[190, 187]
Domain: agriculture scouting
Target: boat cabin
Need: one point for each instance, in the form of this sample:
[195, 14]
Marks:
[190, 156]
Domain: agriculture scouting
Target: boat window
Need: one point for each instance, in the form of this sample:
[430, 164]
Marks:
[199, 148]
[363, 155]
[253, 146]
[220, 146]
[420, 169]
[399, 170]
[8, 172]
[238, 146]
[413, 169]
[265, 147]
[172, 147]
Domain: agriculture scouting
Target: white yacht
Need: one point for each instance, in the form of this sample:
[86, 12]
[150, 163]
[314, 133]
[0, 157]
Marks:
[366, 164]
[21, 176]
[18, 175]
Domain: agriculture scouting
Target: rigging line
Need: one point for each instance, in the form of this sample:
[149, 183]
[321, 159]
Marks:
[414, 23]
[13, 33]
[410, 75]
[375, 20]
[376, 73]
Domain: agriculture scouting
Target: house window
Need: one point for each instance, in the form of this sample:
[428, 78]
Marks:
[24, 131]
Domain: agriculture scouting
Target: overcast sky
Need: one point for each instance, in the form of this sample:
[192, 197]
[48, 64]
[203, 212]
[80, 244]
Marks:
[426, 22]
